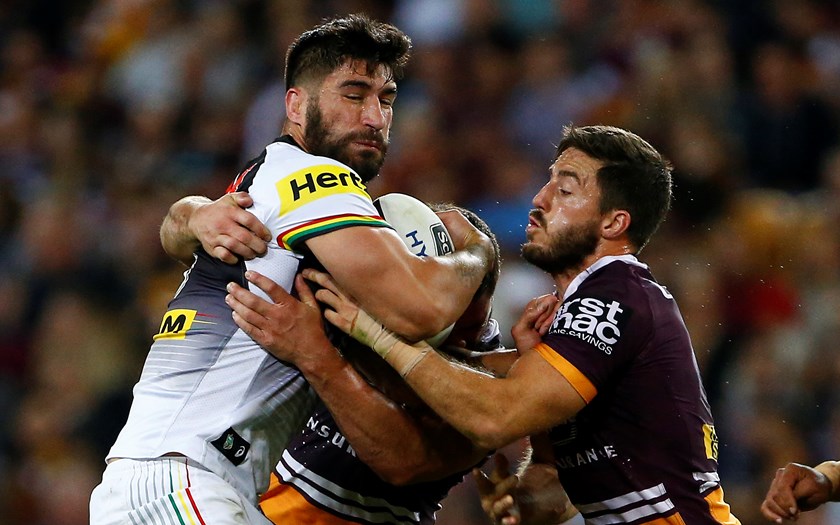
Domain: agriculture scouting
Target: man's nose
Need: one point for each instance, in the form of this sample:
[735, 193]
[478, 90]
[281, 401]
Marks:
[373, 115]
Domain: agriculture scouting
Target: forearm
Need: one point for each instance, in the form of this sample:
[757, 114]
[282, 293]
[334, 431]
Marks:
[416, 297]
[177, 239]
[440, 289]
[450, 390]
[492, 412]
[402, 445]
[831, 470]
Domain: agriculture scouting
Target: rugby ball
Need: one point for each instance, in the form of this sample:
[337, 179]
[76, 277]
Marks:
[421, 230]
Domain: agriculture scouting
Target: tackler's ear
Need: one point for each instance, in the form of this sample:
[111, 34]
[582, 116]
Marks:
[615, 224]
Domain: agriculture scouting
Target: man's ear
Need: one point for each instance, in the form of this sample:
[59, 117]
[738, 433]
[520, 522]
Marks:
[615, 224]
[296, 105]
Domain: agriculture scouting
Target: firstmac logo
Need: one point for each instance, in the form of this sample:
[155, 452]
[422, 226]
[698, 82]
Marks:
[598, 322]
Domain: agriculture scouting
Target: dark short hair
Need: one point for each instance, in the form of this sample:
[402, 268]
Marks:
[491, 279]
[635, 177]
[319, 51]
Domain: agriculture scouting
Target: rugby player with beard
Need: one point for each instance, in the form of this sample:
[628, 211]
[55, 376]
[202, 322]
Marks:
[212, 411]
[610, 395]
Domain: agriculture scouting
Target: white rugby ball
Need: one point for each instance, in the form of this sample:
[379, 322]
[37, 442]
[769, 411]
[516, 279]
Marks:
[421, 230]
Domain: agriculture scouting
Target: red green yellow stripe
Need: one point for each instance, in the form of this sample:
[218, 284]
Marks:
[294, 236]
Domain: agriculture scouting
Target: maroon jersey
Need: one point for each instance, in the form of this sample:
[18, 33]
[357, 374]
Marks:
[644, 449]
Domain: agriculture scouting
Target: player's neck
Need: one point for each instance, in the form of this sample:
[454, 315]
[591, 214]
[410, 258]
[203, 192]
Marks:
[563, 279]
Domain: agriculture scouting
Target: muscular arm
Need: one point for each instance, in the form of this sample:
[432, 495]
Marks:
[416, 297]
[402, 442]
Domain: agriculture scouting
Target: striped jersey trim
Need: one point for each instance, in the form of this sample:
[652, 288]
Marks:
[708, 480]
[631, 507]
[294, 237]
[579, 382]
[340, 500]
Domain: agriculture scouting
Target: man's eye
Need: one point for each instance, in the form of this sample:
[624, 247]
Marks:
[353, 96]
[386, 102]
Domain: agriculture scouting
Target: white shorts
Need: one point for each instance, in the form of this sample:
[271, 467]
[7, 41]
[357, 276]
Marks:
[168, 491]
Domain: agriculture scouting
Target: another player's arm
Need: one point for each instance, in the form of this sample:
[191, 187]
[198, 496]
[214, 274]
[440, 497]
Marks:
[402, 445]
[831, 470]
[222, 227]
[492, 412]
[416, 297]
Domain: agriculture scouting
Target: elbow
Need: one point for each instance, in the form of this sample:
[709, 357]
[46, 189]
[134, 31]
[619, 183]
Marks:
[490, 435]
[402, 473]
[398, 477]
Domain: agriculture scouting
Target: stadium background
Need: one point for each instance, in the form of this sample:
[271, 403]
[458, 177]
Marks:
[112, 109]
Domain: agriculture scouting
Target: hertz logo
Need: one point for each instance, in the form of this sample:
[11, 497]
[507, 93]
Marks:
[316, 182]
[175, 324]
[711, 440]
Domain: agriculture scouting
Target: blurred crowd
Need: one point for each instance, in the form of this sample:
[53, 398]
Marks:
[110, 110]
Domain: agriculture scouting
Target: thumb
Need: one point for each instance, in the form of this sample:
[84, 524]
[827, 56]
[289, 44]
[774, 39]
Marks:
[242, 199]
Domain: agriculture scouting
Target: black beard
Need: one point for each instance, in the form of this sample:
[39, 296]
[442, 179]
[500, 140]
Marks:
[565, 251]
[319, 142]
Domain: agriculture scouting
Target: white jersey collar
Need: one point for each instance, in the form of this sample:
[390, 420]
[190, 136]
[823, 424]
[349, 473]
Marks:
[597, 265]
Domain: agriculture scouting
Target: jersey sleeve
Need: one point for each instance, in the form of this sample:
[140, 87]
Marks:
[595, 334]
[300, 202]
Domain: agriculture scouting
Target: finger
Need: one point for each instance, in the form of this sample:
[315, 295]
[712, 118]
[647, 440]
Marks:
[240, 242]
[224, 255]
[254, 228]
[503, 505]
[773, 512]
[501, 470]
[482, 482]
[242, 199]
[305, 293]
[545, 323]
[323, 279]
[245, 302]
[506, 487]
[253, 331]
[338, 321]
[329, 298]
[271, 288]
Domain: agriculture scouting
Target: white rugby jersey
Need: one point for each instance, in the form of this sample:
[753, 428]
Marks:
[207, 391]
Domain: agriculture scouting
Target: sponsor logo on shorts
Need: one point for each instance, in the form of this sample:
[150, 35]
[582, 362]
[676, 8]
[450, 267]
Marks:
[316, 182]
[175, 324]
[595, 321]
[710, 439]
